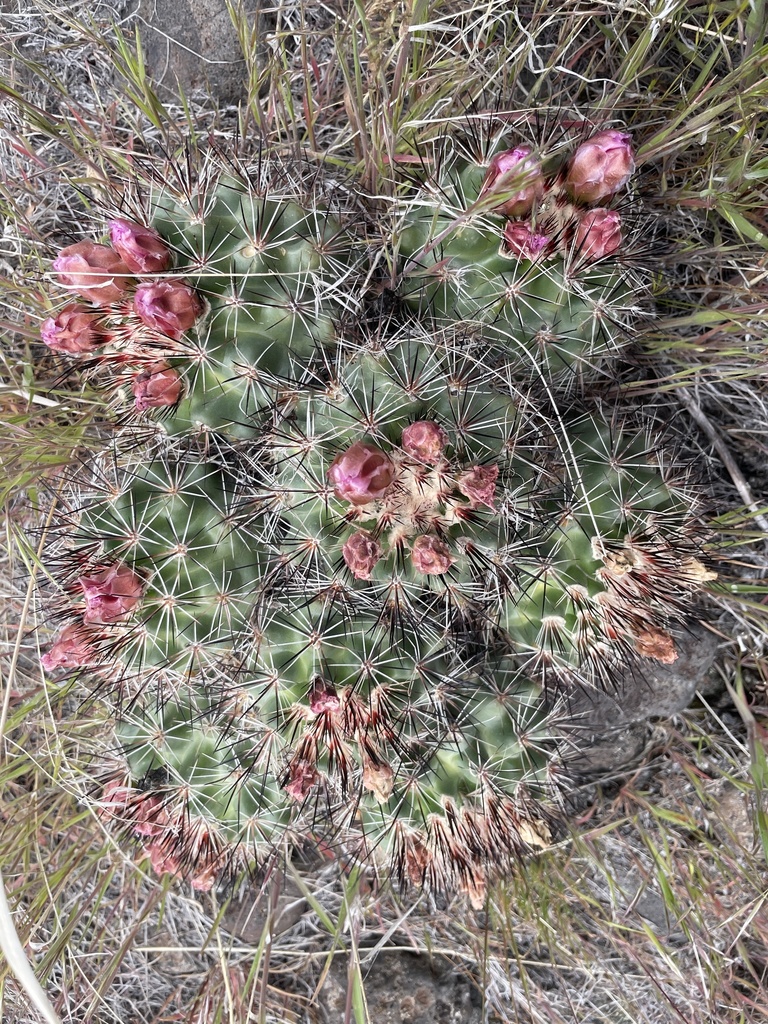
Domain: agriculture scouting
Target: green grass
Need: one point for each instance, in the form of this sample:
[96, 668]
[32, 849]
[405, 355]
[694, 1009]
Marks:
[653, 910]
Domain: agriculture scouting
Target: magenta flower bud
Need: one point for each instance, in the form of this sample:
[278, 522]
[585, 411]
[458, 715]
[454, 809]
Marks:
[505, 170]
[111, 593]
[600, 166]
[73, 648]
[73, 330]
[598, 234]
[95, 272]
[169, 307]
[361, 474]
[523, 242]
[424, 440]
[141, 248]
[361, 552]
[157, 387]
[479, 485]
[431, 555]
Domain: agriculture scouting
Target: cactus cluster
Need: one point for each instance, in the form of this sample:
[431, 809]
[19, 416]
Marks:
[344, 589]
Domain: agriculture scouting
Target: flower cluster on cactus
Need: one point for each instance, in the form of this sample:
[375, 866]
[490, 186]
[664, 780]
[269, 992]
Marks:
[107, 277]
[231, 290]
[345, 593]
[524, 253]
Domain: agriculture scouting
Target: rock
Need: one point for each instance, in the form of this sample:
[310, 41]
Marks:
[192, 46]
[609, 730]
[247, 915]
[402, 988]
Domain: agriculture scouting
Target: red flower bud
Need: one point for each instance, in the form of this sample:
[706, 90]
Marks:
[142, 248]
[361, 474]
[158, 386]
[361, 552]
[170, 307]
[521, 241]
[73, 648]
[479, 485]
[600, 166]
[95, 272]
[110, 593]
[72, 330]
[505, 171]
[424, 440]
[431, 555]
[598, 234]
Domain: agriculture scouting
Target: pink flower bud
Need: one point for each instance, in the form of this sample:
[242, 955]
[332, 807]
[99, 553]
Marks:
[149, 816]
[323, 697]
[158, 386]
[361, 552]
[95, 272]
[521, 241]
[600, 166]
[479, 485]
[303, 776]
[72, 649]
[598, 234]
[425, 440]
[170, 307]
[431, 555]
[162, 861]
[142, 248]
[72, 330]
[505, 171]
[361, 474]
[110, 593]
[115, 798]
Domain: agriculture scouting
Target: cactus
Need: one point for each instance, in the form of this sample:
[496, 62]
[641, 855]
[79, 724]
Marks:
[355, 627]
[212, 300]
[505, 245]
[346, 590]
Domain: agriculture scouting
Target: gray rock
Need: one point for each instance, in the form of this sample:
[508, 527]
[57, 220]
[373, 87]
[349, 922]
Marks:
[192, 46]
[246, 917]
[610, 730]
[404, 989]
